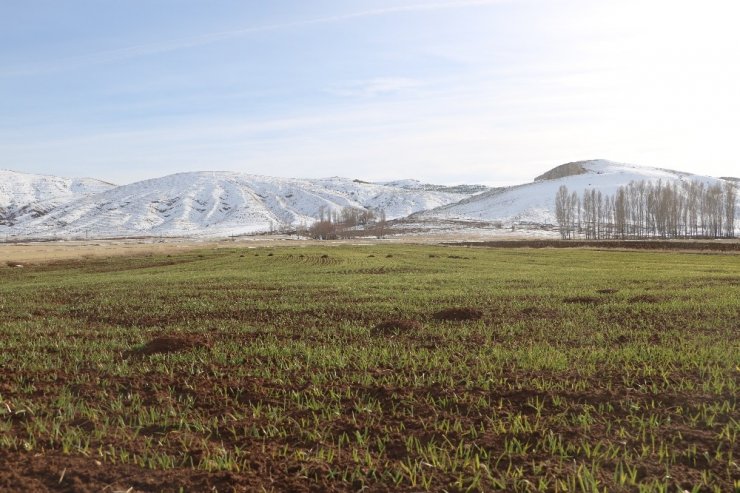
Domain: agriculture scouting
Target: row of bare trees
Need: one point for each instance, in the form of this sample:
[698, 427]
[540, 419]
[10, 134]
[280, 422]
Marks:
[645, 209]
[347, 222]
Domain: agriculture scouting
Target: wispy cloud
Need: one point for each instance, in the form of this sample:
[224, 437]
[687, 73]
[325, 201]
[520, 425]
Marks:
[379, 86]
[214, 37]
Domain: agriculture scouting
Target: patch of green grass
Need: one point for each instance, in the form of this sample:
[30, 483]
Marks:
[587, 371]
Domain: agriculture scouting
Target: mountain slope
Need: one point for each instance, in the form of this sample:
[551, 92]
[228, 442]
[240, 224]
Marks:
[223, 203]
[535, 202]
[24, 194]
[218, 204]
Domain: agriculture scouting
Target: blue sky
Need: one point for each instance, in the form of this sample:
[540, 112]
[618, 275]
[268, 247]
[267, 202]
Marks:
[446, 91]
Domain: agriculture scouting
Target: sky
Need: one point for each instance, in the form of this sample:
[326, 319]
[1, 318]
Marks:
[444, 91]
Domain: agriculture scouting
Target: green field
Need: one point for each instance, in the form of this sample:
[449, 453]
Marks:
[570, 370]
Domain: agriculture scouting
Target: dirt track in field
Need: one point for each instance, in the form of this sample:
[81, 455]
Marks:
[40, 252]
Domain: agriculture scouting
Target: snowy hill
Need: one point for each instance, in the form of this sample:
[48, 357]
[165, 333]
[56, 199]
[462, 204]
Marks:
[23, 195]
[219, 204]
[222, 204]
[534, 203]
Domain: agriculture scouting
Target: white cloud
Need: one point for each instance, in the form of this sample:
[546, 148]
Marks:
[378, 86]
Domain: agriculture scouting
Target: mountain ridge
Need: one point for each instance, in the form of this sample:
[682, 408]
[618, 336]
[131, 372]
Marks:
[224, 203]
[227, 203]
[24, 194]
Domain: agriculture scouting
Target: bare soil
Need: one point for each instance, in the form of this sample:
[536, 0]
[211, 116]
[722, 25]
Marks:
[171, 344]
[459, 314]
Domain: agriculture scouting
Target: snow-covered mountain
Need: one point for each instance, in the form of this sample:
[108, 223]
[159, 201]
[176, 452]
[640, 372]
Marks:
[535, 202]
[219, 204]
[24, 195]
[226, 203]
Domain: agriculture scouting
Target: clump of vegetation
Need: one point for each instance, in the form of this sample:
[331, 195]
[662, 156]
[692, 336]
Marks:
[348, 222]
[397, 326]
[585, 300]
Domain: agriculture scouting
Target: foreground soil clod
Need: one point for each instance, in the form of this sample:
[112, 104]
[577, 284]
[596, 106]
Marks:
[170, 344]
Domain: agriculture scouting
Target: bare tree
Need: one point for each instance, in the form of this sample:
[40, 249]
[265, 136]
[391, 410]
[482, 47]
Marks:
[640, 209]
[730, 209]
[562, 203]
[380, 225]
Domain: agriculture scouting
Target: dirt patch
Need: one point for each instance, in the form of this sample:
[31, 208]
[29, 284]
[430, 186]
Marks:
[645, 298]
[45, 252]
[397, 326]
[607, 291]
[44, 472]
[170, 344]
[459, 314]
[622, 339]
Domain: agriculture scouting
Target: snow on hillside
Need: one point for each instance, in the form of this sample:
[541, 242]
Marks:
[535, 202]
[23, 194]
[219, 204]
[222, 204]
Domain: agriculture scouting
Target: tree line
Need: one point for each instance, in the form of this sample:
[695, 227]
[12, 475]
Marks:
[347, 223]
[646, 209]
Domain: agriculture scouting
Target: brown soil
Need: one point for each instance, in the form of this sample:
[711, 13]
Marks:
[170, 344]
[39, 253]
[459, 314]
[54, 472]
[645, 298]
